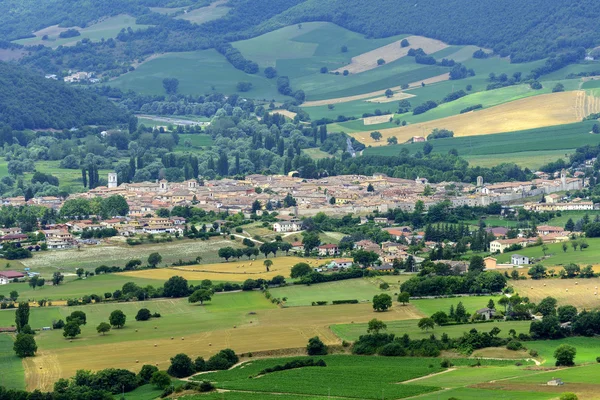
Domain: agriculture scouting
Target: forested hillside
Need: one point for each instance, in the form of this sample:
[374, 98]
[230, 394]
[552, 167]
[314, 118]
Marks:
[525, 30]
[29, 101]
[19, 18]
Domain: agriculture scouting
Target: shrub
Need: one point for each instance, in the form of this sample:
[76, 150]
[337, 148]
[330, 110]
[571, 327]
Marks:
[293, 365]
[446, 363]
[353, 301]
[181, 366]
[392, 350]
[533, 353]
[316, 347]
[514, 345]
[143, 315]
[146, 373]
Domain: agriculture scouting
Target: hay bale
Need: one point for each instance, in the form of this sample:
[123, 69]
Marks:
[137, 361]
[567, 290]
[182, 338]
[172, 338]
[155, 345]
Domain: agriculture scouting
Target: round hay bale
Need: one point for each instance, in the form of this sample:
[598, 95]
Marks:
[235, 326]
[576, 283]
[137, 361]
[155, 345]
[40, 367]
[136, 330]
[182, 338]
[172, 338]
[210, 344]
[71, 341]
[567, 290]
[544, 284]
[156, 327]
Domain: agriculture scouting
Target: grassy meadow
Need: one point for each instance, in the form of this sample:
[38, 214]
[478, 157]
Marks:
[105, 29]
[12, 374]
[362, 290]
[245, 322]
[198, 72]
[352, 332]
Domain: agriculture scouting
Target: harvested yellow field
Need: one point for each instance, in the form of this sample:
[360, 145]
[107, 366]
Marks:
[529, 113]
[234, 271]
[379, 119]
[576, 292]
[395, 97]
[391, 52]
[272, 329]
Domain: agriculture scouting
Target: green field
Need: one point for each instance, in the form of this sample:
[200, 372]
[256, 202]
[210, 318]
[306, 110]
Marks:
[69, 179]
[204, 14]
[345, 376]
[587, 348]
[562, 137]
[198, 72]
[494, 222]
[116, 252]
[526, 159]
[574, 215]
[197, 142]
[349, 376]
[478, 394]
[106, 29]
[12, 373]
[436, 92]
[559, 257]
[180, 317]
[352, 332]
[471, 303]
[362, 290]
[73, 288]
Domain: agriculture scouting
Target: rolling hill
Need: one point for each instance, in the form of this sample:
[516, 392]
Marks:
[28, 101]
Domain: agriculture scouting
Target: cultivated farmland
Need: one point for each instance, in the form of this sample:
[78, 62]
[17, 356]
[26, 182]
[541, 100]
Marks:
[118, 253]
[245, 322]
[535, 112]
[391, 52]
[576, 292]
[234, 271]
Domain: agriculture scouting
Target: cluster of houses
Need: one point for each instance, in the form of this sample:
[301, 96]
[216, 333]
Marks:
[348, 194]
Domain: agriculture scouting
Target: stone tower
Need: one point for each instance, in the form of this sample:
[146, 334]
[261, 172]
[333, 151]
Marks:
[112, 180]
[563, 179]
[480, 181]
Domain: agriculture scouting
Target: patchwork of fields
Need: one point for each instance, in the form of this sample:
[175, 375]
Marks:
[529, 113]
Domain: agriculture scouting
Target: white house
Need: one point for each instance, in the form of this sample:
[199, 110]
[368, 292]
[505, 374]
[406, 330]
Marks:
[287, 226]
[517, 259]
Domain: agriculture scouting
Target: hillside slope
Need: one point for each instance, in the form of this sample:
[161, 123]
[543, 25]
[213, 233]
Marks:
[526, 30]
[29, 101]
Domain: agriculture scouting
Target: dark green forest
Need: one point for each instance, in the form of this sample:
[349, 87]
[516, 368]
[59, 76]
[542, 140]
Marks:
[525, 30]
[29, 101]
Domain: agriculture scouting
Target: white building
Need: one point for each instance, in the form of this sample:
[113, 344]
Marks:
[287, 226]
[517, 259]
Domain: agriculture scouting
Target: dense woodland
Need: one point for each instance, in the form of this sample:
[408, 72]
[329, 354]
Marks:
[28, 101]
